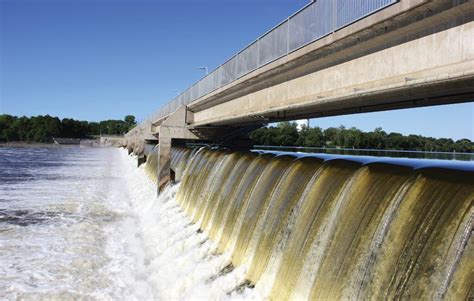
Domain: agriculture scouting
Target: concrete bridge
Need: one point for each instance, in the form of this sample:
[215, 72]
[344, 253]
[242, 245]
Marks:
[332, 57]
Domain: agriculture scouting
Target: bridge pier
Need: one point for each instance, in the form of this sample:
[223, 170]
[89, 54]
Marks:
[172, 128]
[141, 159]
[164, 163]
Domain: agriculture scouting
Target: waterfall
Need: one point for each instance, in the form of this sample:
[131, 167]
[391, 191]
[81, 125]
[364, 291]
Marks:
[325, 227]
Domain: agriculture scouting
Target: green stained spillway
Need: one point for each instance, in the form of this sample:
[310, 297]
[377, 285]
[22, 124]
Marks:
[333, 228]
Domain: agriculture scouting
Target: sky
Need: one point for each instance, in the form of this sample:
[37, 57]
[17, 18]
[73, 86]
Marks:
[104, 59]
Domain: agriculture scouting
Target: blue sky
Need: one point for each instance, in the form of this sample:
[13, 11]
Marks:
[101, 59]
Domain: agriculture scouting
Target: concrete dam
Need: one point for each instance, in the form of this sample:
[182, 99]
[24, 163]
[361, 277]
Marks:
[325, 227]
[331, 58]
[258, 225]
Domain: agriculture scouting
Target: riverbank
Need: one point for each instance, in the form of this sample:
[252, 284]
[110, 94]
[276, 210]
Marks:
[85, 142]
[28, 144]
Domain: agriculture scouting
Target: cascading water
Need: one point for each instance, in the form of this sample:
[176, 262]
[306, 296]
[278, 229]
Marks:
[285, 227]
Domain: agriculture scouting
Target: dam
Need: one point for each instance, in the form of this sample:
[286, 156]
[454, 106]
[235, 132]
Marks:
[84, 223]
[189, 204]
[326, 227]
[330, 58]
[270, 225]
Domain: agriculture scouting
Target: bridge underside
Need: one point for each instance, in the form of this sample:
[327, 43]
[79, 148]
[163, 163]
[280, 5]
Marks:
[435, 69]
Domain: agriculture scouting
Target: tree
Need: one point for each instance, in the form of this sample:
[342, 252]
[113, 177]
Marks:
[464, 146]
[6, 131]
[93, 128]
[330, 136]
[130, 121]
[310, 137]
[44, 128]
[286, 134]
[21, 126]
[377, 139]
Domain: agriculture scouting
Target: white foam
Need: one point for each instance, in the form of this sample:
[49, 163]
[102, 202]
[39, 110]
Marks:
[180, 262]
[113, 239]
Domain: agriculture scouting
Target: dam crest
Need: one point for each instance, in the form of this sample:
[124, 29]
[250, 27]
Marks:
[328, 227]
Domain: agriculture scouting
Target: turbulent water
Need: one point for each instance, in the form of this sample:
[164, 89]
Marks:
[85, 223]
[67, 227]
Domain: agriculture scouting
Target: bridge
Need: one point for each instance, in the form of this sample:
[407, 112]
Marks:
[332, 57]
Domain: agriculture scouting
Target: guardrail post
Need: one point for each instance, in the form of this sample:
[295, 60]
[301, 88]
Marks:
[258, 53]
[220, 77]
[287, 36]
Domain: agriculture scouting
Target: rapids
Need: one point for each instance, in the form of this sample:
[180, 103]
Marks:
[87, 224]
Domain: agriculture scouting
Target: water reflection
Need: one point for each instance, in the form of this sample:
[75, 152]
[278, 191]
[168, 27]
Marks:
[374, 152]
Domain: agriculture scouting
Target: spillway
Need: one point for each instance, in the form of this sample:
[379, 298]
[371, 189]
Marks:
[331, 227]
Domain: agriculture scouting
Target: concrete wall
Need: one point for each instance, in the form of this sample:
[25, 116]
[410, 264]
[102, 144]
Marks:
[113, 140]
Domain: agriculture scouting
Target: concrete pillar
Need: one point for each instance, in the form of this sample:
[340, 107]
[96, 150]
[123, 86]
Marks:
[141, 159]
[164, 162]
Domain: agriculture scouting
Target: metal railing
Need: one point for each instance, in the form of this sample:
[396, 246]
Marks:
[312, 22]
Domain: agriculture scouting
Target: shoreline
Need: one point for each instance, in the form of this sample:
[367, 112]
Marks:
[25, 144]
[28, 144]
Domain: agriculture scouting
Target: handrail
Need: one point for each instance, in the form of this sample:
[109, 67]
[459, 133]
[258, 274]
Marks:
[310, 23]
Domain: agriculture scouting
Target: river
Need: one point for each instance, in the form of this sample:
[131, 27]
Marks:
[85, 223]
[68, 228]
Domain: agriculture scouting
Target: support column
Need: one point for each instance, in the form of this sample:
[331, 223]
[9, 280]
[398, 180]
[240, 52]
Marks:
[173, 127]
[164, 163]
[141, 159]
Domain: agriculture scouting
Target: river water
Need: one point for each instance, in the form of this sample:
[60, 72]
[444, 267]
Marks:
[85, 223]
[67, 226]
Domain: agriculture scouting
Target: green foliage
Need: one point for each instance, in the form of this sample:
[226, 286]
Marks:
[44, 128]
[309, 136]
[287, 134]
[130, 121]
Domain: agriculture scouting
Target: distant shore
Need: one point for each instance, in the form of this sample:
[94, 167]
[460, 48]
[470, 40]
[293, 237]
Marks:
[43, 145]
[27, 144]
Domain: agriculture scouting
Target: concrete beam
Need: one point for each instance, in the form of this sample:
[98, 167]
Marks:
[403, 21]
[175, 126]
[412, 53]
[432, 67]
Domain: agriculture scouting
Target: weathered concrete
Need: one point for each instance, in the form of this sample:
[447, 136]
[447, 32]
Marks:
[413, 53]
[141, 160]
[164, 163]
[433, 67]
[112, 140]
[135, 139]
[174, 127]
[380, 24]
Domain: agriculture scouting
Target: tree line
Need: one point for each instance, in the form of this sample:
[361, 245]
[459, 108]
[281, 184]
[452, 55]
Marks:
[44, 128]
[288, 134]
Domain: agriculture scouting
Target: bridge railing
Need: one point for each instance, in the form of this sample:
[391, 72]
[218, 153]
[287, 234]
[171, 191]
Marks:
[314, 21]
